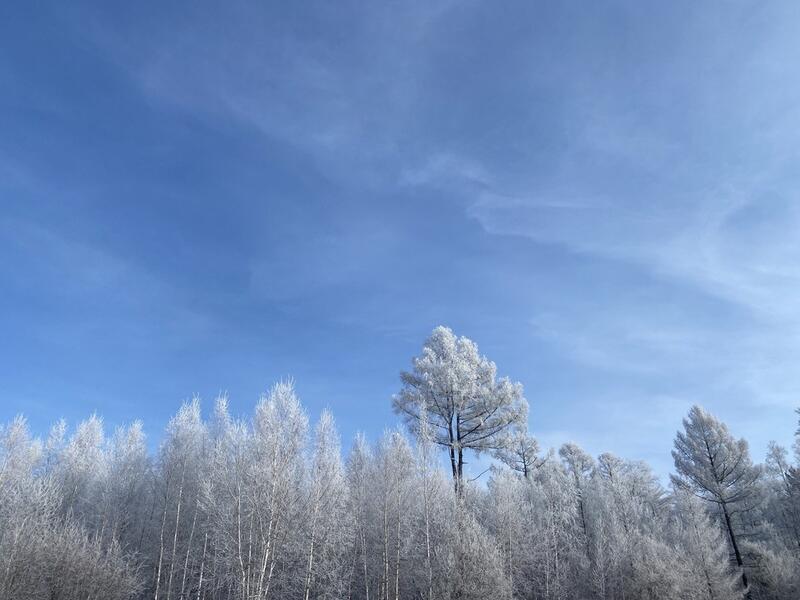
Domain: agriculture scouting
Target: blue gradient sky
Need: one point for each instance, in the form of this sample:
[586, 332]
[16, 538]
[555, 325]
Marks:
[211, 196]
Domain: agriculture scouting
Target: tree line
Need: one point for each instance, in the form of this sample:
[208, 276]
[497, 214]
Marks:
[269, 507]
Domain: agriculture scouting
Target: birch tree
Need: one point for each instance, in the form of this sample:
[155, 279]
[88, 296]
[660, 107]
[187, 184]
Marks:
[361, 485]
[328, 547]
[273, 487]
[180, 460]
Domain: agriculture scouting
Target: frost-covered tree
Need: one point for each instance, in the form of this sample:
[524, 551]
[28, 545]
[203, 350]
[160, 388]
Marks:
[395, 469]
[270, 499]
[178, 483]
[327, 552]
[579, 465]
[477, 566]
[128, 477]
[520, 453]
[82, 470]
[19, 453]
[775, 573]
[506, 516]
[255, 508]
[426, 470]
[361, 486]
[45, 552]
[466, 405]
[782, 495]
[716, 467]
[704, 569]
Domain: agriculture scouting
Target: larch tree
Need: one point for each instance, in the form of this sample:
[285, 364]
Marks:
[520, 453]
[467, 406]
[705, 570]
[716, 467]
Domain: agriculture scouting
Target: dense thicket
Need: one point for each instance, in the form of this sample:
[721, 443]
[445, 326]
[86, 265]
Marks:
[269, 507]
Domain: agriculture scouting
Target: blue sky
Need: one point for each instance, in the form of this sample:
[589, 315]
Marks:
[212, 196]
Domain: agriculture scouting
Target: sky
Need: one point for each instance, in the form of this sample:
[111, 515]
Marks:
[205, 197]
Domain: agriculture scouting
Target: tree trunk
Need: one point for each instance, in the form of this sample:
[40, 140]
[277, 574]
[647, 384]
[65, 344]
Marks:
[307, 591]
[397, 549]
[310, 566]
[202, 567]
[460, 466]
[453, 463]
[736, 552]
[364, 557]
[428, 539]
[161, 542]
[175, 536]
[385, 575]
[189, 547]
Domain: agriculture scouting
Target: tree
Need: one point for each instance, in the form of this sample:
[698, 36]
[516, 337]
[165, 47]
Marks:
[477, 572]
[128, 470]
[327, 546]
[83, 469]
[45, 553]
[426, 468]
[505, 516]
[580, 466]
[180, 459]
[467, 407]
[257, 509]
[796, 444]
[520, 453]
[783, 499]
[706, 572]
[395, 467]
[360, 483]
[717, 468]
[273, 487]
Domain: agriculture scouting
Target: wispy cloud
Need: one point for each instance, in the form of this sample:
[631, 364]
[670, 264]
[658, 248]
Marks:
[607, 203]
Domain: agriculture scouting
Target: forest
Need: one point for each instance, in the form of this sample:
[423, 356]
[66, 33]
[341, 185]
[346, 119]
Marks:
[272, 507]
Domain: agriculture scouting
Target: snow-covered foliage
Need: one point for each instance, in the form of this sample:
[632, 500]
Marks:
[465, 405]
[270, 507]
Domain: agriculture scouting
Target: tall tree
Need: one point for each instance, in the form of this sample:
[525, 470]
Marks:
[579, 465]
[716, 467]
[707, 573]
[361, 485]
[467, 406]
[273, 484]
[327, 546]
